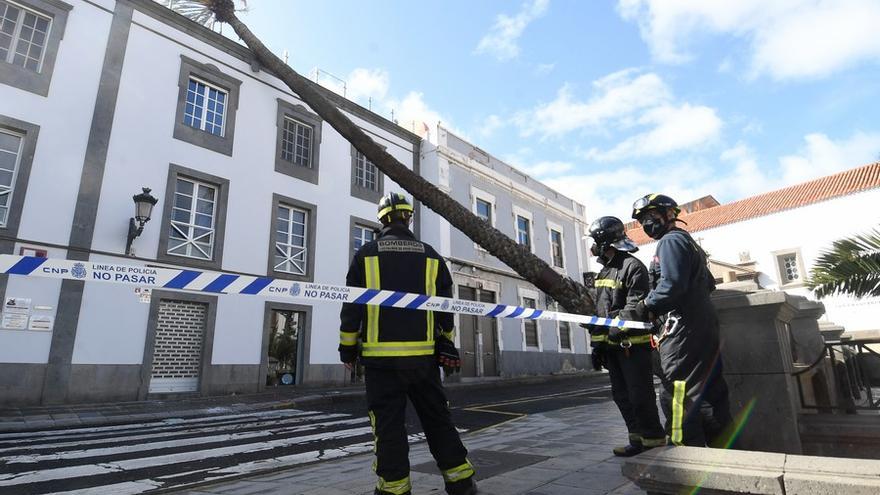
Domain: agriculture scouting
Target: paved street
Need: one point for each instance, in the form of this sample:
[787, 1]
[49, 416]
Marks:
[176, 452]
[559, 452]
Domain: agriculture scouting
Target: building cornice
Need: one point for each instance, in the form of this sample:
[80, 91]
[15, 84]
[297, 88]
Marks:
[498, 179]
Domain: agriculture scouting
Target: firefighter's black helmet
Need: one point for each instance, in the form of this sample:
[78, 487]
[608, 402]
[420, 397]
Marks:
[610, 232]
[652, 202]
[393, 205]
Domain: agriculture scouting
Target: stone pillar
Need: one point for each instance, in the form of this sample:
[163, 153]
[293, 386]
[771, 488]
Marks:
[756, 334]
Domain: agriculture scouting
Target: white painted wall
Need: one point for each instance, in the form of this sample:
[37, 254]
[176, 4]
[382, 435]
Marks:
[64, 118]
[811, 229]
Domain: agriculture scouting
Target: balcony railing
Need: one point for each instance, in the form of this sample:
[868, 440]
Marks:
[844, 379]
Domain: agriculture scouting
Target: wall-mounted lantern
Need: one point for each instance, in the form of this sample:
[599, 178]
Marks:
[143, 209]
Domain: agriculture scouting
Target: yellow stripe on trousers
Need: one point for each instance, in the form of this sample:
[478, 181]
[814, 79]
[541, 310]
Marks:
[431, 266]
[678, 392]
[371, 272]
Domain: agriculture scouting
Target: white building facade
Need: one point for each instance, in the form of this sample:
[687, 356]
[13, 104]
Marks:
[127, 94]
[547, 222]
[101, 98]
[780, 234]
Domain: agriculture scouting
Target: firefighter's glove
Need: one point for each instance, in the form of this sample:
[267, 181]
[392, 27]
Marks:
[598, 358]
[348, 354]
[591, 329]
[639, 313]
[616, 334]
[447, 355]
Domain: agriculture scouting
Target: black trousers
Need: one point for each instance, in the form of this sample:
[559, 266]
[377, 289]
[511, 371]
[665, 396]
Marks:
[632, 387]
[387, 392]
[697, 410]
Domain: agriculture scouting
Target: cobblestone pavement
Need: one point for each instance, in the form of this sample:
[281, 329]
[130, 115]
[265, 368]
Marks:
[563, 452]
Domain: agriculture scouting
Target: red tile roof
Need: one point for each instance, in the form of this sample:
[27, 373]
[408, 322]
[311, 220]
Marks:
[814, 191]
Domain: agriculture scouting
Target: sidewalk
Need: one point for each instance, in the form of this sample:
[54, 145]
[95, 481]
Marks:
[30, 418]
[563, 452]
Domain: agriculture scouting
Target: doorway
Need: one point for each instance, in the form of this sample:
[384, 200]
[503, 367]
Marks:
[285, 350]
[479, 336]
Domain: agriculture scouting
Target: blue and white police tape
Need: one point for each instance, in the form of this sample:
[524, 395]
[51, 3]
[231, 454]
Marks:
[228, 283]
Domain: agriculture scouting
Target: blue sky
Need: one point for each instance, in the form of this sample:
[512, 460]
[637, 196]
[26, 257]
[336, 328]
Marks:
[606, 101]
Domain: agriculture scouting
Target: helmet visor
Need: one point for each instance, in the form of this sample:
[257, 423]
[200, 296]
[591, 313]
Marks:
[626, 244]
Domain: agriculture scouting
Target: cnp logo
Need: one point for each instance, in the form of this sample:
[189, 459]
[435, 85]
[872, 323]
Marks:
[295, 289]
[79, 270]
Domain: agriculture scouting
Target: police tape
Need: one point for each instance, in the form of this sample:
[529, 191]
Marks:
[228, 283]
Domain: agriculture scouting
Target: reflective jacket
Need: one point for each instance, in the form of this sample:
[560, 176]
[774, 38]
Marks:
[621, 283]
[682, 284]
[396, 337]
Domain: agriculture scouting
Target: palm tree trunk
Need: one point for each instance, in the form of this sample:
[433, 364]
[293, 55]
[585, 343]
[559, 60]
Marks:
[570, 294]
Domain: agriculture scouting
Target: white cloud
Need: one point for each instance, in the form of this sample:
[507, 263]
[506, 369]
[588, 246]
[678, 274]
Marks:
[367, 83]
[674, 129]
[822, 156]
[414, 114]
[490, 126]
[544, 69]
[617, 95]
[501, 40]
[359, 86]
[741, 174]
[546, 169]
[787, 38]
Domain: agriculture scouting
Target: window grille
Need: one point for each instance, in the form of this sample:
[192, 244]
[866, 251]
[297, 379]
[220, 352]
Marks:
[291, 233]
[193, 219]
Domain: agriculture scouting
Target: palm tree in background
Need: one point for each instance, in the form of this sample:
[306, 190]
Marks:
[569, 293]
[851, 267]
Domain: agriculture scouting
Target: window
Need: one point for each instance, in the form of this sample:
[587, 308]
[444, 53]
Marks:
[791, 268]
[366, 179]
[18, 141]
[299, 140]
[206, 106]
[23, 36]
[292, 242]
[193, 218]
[522, 227]
[361, 234]
[523, 231]
[556, 247]
[484, 210]
[291, 252]
[10, 153]
[30, 33]
[296, 143]
[564, 335]
[530, 327]
[365, 173]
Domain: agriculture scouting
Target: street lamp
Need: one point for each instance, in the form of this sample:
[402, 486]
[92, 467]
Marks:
[143, 208]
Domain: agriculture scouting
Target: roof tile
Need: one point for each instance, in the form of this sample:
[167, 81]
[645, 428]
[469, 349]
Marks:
[814, 191]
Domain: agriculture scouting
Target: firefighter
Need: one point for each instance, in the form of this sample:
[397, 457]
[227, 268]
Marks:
[694, 394]
[401, 351]
[625, 352]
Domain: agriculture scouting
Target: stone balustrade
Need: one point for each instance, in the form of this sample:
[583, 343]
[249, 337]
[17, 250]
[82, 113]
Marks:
[677, 470]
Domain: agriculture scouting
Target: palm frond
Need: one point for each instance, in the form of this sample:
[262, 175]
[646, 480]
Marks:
[201, 11]
[851, 267]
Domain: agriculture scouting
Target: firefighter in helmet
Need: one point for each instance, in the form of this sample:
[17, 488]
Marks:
[402, 349]
[694, 396]
[625, 352]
